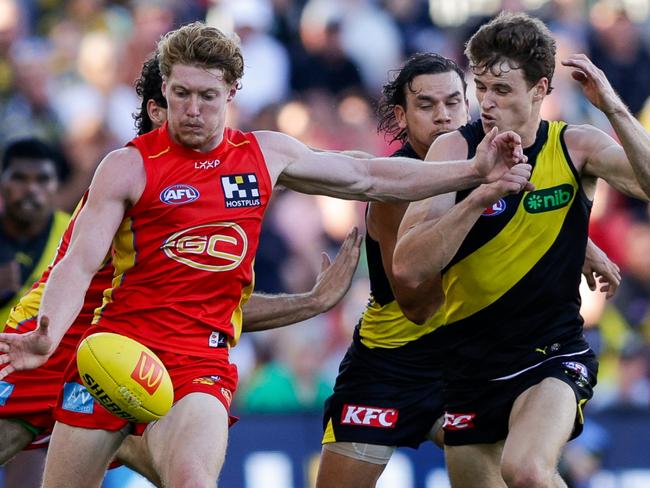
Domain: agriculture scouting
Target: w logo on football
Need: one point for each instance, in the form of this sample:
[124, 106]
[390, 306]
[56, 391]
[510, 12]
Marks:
[148, 373]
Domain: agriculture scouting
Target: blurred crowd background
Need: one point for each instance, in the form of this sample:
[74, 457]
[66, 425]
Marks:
[314, 69]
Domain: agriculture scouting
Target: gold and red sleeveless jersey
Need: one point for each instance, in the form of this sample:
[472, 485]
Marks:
[183, 254]
[23, 315]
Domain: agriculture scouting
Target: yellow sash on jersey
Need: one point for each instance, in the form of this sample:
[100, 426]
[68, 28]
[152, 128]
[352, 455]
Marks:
[386, 326]
[481, 278]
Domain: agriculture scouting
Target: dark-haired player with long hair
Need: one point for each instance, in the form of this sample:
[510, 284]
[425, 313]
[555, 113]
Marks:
[388, 391]
[153, 105]
[27, 397]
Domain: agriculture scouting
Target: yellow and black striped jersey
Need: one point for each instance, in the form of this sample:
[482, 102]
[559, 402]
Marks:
[383, 325]
[511, 291]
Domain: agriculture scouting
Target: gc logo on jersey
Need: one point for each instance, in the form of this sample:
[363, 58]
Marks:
[179, 194]
[211, 247]
[241, 190]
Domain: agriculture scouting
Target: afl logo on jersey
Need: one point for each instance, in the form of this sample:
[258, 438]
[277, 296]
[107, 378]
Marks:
[215, 247]
[495, 209]
[179, 194]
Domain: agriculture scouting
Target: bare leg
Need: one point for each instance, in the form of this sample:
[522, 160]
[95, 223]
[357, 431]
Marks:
[13, 439]
[188, 445]
[134, 454]
[541, 422]
[475, 465]
[78, 458]
[339, 471]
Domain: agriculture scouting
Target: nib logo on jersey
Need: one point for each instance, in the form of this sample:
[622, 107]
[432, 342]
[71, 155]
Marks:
[384, 418]
[241, 190]
[548, 199]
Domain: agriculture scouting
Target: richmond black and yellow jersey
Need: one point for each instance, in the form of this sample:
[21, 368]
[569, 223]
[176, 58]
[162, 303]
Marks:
[511, 291]
[383, 325]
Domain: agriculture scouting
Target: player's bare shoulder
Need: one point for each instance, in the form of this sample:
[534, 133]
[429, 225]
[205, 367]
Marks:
[279, 150]
[448, 147]
[121, 174]
[582, 141]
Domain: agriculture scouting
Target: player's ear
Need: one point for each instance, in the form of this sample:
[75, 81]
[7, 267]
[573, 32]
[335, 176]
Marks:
[157, 114]
[231, 94]
[400, 116]
[540, 89]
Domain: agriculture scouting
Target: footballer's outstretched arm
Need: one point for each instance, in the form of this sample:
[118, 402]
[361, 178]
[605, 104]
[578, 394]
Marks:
[263, 312]
[118, 182]
[625, 166]
[294, 165]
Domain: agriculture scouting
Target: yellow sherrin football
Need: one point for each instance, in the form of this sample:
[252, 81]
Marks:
[126, 377]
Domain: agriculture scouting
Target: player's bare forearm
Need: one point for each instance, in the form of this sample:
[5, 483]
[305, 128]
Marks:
[426, 247]
[636, 143]
[383, 222]
[63, 298]
[355, 153]
[428, 242]
[633, 137]
[420, 303]
[401, 179]
[378, 179]
[264, 312]
[600, 272]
